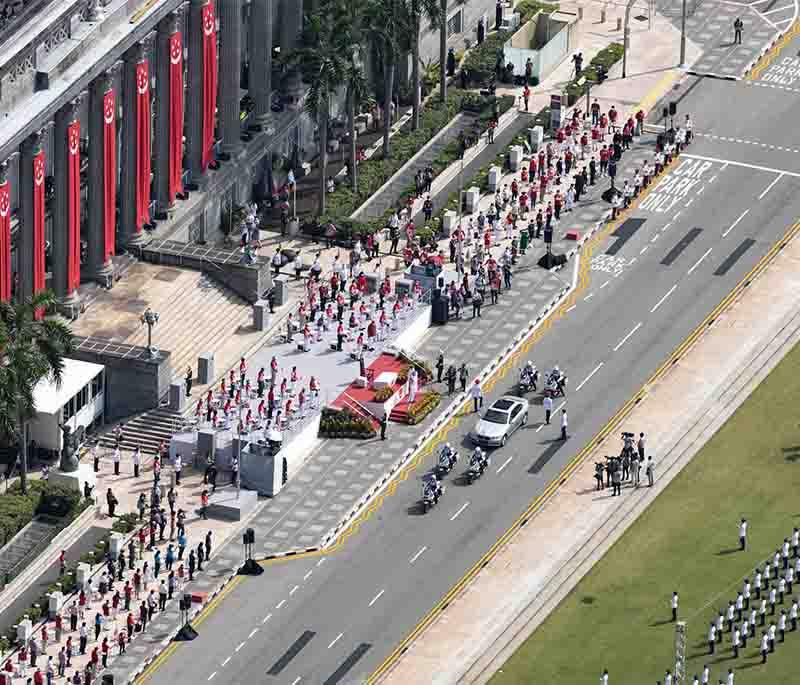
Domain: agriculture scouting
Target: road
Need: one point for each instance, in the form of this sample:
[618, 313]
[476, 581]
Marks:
[334, 619]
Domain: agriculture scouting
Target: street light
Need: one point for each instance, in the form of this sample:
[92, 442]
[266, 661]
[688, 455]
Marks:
[150, 319]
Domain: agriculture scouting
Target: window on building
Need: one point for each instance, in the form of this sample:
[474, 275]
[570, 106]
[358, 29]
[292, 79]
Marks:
[455, 23]
[69, 409]
[97, 385]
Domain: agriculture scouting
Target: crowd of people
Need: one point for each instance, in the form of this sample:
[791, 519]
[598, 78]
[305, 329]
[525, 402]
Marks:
[124, 593]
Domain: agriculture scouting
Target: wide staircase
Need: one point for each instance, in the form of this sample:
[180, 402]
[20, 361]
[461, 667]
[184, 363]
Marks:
[196, 315]
[25, 545]
[388, 197]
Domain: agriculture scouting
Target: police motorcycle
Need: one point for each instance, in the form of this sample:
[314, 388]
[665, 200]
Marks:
[432, 490]
[528, 378]
[478, 463]
[448, 458]
[556, 384]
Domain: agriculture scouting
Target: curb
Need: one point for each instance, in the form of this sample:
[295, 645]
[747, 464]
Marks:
[765, 49]
[290, 553]
[447, 415]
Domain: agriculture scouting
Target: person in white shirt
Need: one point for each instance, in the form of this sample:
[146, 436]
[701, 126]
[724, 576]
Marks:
[604, 677]
[796, 542]
[668, 678]
[117, 457]
[712, 637]
[771, 632]
[782, 625]
[674, 605]
[476, 394]
[564, 424]
[735, 642]
[706, 675]
[137, 462]
[743, 534]
[764, 646]
[793, 614]
[730, 676]
[746, 593]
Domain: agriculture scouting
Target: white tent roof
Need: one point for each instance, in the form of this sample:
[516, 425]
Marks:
[49, 399]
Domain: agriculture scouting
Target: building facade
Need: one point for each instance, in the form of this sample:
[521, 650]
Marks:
[128, 119]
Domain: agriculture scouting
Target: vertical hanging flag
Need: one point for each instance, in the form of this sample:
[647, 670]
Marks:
[109, 175]
[142, 145]
[5, 242]
[209, 81]
[74, 207]
[39, 276]
[175, 115]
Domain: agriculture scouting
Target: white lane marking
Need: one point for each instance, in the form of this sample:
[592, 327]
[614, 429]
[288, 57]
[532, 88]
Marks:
[417, 555]
[724, 166]
[661, 301]
[604, 284]
[644, 249]
[677, 214]
[376, 598]
[335, 640]
[584, 381]
[629, 263]
[297, 680]
[505, 463]
[625, 339]
[252, 632]
[700, 190]
[769, 187]
[689, 203]
[588, 297]
[225, 663]
[458, 513]
[654, 238]
[712, 179]
[697, 263]
[266, 618]
[667, 225]
[540, 427]
[280, 604]
[571, 308]
[293, 590]
[307, 575]
[734, 224]
[241, 644]
[319, 563]
[782, 172]
[212, 675]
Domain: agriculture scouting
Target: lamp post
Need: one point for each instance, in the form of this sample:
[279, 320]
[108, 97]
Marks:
[150, 319]
[683, 33]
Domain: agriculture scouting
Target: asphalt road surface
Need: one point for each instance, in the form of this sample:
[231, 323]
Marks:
[334, 619]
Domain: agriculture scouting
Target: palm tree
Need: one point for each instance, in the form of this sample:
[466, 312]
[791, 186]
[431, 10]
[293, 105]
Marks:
[323, 65]
[31, 348]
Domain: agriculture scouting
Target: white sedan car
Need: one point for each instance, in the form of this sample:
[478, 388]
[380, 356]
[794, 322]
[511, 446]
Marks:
[500, 421]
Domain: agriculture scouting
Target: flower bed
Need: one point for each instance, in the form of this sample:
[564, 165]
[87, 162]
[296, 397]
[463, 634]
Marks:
[423, 406]
[343, 423]
[384, 393]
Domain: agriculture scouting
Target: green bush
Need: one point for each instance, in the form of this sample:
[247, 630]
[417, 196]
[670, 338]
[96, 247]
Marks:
[528, 8]
[343, 423]
[17, 510]
[606, 58]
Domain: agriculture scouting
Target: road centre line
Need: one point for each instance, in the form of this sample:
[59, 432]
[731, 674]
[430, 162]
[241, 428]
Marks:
[505, 463]
[604, 284]
[589, 296]
[252, 632]
[585, 380]
[293, 590]
[266, 618]
[769, 187]
[734, 224]
[571, 308]
[307, 575]
[458, 513]
[697, 263]
[644, 249]
[297, 680]
[661, 301]
[319, 563]
[560, 407]
[417, 555]
[225, 663]
[335, 640]
[625, 339]
[241, 644]
[212, 675]
[280, 604]
[756, 167]
[376, 598]
[654, 238]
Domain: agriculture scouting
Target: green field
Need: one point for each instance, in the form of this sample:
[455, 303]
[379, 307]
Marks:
[618, 615]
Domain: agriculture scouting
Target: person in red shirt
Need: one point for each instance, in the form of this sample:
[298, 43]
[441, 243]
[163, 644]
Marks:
[104, 651]
[526, 95]
[38, 677]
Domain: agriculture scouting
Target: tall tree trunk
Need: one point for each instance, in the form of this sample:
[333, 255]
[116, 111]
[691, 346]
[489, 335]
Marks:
[388, 86]
[443, 52]
[351, 106]
[23, 454]
[415, 75]
[323, 157]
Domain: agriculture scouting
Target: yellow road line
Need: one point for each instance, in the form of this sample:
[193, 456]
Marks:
[612, 424]
[441, 434]
[770, 56]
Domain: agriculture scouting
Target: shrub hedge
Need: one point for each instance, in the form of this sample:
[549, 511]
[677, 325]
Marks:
[17, 510]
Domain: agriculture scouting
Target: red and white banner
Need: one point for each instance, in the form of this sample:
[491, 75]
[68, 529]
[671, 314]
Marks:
[209, 81]
[109, 175]
[142, 145]
[39, 275]
[74, 206]
[175, 115]
[5, 242]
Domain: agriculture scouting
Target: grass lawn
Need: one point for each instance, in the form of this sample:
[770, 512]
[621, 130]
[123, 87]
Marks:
[618, 615]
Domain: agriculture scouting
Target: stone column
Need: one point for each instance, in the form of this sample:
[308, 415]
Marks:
[291, 26]
[230, 70]
[261, 14]
[168, 26]
[194, 93]
[102, 269]
[29, 149]
[127, 191]
[61, 237]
